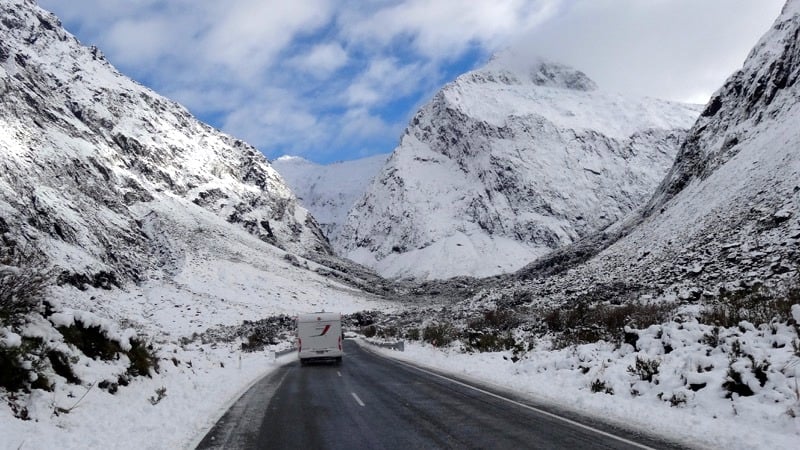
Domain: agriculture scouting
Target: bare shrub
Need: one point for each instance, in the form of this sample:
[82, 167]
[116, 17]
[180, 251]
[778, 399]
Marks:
[93, 342]
[756, 304]
[645, 369]
[439, 335]
[584, 322]
[24, 279]
[600, 386]
[369, 331]
[496, 319]
[161, 393]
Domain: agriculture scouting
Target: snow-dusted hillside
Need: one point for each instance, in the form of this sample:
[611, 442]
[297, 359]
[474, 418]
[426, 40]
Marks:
[329, 191]
[157, 227]
[506, 164]
[728, 211]
[83, 146]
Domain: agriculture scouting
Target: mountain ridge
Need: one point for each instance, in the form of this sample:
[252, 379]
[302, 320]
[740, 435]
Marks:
[501, 168]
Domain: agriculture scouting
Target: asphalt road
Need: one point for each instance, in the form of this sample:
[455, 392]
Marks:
[377, 403]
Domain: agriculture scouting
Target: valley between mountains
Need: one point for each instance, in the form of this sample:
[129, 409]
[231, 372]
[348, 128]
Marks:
[626, 259]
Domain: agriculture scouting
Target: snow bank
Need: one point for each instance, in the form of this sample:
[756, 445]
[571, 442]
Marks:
[685, 381]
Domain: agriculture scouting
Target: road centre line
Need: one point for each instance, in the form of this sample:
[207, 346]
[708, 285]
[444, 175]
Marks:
[523, 405]
[358, 400]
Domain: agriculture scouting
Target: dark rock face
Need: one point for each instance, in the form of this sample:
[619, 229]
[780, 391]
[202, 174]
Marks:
[86, 150]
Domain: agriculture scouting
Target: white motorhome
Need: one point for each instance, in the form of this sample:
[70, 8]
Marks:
[319, 336]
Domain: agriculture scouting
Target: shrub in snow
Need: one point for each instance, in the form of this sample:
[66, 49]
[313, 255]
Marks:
[24, 366]
[60, 363]
[14, 371]
[143, 359]
[755, 304]
[24, 280]
[678, 398]
[291, 259]
[491, 341]
[94, 342]
[491, 332]
[585, 322]
[599, 385]
[496, 319]
[160, 394]
[645, 369]
[439, 334]
[255, 335]
[745, 375]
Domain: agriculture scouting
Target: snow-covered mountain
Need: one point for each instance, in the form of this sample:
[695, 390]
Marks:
[156, 229]
[507, 163]
[329, 191]
[727, 215]
[86, 150]
[160, 221]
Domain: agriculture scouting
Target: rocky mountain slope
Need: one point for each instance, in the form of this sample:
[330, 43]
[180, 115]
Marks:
[85, 150]
[329, 191]
[726, 215]
[128, 229]
[506, 164]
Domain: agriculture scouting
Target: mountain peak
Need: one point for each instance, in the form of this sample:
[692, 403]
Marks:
[511, 67]
[507, 163]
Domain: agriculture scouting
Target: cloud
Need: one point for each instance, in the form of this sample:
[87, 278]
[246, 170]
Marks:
[445, 28]
[247, 35]
[323, 78]
[358, 124]
[384, 80]
[322, 60]
[677, 49]
[148, 46]
[279, 122]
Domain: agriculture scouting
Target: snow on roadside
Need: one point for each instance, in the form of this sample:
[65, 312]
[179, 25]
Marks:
[685, 401]
[200, 382]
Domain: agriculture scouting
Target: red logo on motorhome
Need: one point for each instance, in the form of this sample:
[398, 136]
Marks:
[324, 330]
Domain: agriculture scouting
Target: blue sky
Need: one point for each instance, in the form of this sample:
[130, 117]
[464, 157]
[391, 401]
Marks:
[336, 80]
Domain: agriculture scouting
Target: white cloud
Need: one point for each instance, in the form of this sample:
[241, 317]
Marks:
[247, 35]
[277, 120]
[147, 47]
[445, 28]
[319, 76]
[676, 49]
[359, 124]
[385, 79]
[322, 60]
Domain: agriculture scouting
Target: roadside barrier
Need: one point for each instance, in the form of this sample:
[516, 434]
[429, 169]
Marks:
[399, 346]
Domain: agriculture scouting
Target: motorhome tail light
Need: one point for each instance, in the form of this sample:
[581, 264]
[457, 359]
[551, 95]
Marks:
[299, 345]
[340, 342]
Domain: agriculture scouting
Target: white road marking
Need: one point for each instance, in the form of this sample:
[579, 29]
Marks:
[358, 400]
[338, 373]
[523, 405]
